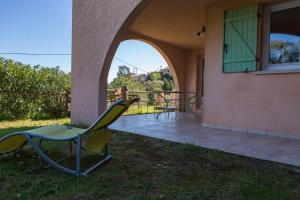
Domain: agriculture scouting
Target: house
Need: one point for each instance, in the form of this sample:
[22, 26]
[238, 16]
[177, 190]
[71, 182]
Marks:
[243, 55]
[140, 77]
[165, 71]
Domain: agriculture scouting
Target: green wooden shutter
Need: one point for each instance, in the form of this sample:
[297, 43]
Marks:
[240, 39]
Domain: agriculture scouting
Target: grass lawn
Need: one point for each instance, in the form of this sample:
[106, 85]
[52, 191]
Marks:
[145, 168]
[20, 125]
[134, 110]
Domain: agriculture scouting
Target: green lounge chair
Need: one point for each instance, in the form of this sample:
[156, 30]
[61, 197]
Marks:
[93, 139]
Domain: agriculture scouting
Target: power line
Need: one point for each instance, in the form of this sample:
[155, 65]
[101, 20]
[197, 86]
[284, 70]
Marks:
[123, 61]
[36, 54]
[64, 54]
[131, 65]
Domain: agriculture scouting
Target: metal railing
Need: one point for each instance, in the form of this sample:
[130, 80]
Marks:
[156, 101]
[151, 101]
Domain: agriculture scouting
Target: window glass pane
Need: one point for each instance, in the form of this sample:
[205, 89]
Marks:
[285, 36]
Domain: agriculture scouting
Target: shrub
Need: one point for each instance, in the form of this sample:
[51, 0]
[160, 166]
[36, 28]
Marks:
[33, 91]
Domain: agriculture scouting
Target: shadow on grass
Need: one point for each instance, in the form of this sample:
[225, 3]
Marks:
[147, 168]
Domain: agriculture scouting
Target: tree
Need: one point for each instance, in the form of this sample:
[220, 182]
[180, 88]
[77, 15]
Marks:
[155, 81]
[168, 85]
[284, 52]
[32, 91]
[128, 81]
[154, 76]
[123, 71]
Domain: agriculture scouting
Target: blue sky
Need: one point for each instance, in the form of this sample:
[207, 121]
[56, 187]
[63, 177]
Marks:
[37, 26]
[285, 37]
[138, 54]
[45, 26]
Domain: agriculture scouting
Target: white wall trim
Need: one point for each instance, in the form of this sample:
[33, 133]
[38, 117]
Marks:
[288, 135]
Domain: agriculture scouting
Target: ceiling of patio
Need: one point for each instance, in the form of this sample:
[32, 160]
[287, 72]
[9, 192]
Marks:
[173, 21]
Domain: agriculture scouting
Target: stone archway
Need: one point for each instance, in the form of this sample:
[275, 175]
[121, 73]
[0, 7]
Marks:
[97, 30]
[161, 48]
[172, 55]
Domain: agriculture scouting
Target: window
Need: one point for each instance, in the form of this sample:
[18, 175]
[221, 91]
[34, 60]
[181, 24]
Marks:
[282, 36]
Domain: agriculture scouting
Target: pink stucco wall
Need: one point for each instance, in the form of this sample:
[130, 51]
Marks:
[191, 71]
[266, 102]
[263, 102]
[96, 26]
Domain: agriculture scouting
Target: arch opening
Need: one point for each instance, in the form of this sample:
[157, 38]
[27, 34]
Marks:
[144, 69]
[176, 40]
[180, 52]
[162, 60]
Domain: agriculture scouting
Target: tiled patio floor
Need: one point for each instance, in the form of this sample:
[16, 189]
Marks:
[185, 129]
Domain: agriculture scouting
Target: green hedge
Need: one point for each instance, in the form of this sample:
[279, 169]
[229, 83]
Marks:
[33, 91]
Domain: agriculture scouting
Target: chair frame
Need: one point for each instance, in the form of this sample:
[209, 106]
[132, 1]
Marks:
[77, 140]
[56, 163]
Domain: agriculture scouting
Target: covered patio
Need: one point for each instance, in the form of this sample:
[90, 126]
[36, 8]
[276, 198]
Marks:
[184, 128]
[213, 48]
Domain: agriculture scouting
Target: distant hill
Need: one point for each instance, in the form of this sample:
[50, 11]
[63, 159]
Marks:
[156, 80]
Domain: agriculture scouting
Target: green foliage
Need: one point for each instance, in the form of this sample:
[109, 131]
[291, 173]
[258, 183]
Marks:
[154, 85]
[168, 85]
[127, 81]
[123, 71]
[155, 81]
[154, 76]
[124, 78]
[33, 92]
[284, 52]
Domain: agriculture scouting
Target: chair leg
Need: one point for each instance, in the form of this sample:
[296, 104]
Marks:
[105, 150]
[99, 163]
[78, 155]
[102, 161]
[63, 158]
[77, 171]
[40, 142]
[158, 114]
[49, 160]
[82, 147]
[58, 161]
[70, 147]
